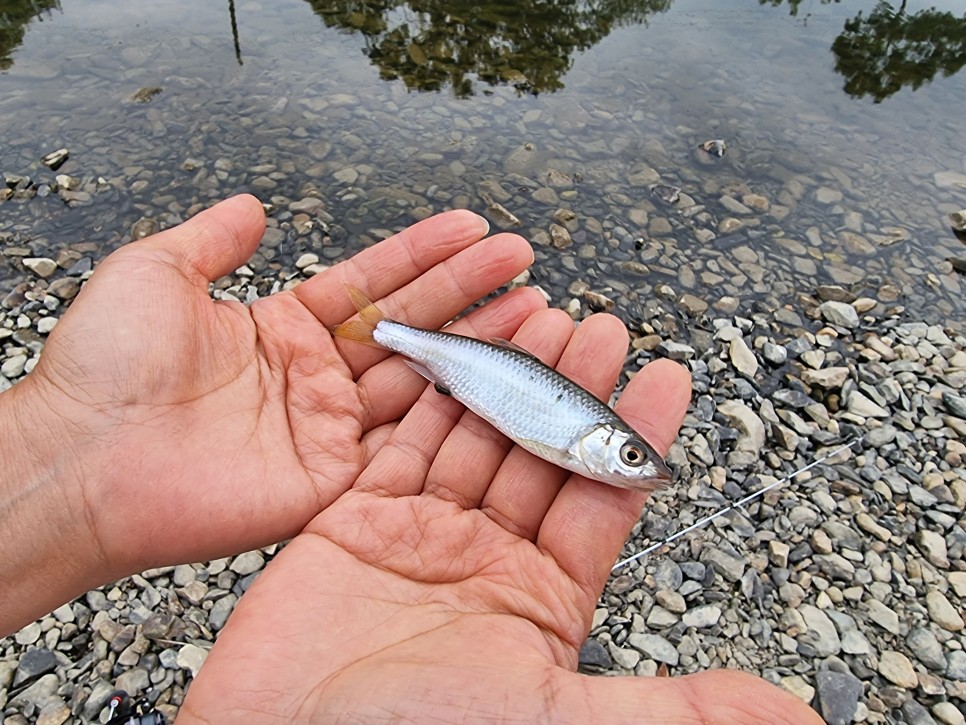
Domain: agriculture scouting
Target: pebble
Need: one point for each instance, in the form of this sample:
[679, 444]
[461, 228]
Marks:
[29, 634]
[798, 686]
[883, 616]
[956, 665]
[54, 712]
[897, 669]
[827, 378]
[706, 615]
[655, 647]
[942, 612]
[247, 563]
[933, 545]
[926, 648]
[840, 313]
[221, 610]
[675, 350]
[862, 406]
[33, 664]
[743, 358]
[191, 657]
[838, 696]
[752, 428]
[135, 681]
[594, 655]
[41, 266]
[784, 369]
[624, 657]
[821, 633]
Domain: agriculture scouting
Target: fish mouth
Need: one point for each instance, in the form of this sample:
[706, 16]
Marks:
[661, 470]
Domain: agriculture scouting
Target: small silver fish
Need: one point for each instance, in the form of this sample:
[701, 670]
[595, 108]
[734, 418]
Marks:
[538, 408]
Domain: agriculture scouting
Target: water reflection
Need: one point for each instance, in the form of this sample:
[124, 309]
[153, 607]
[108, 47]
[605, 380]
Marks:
[431, 44]
[15, 15]
[793, 5]
[530, 44]
[889, 49]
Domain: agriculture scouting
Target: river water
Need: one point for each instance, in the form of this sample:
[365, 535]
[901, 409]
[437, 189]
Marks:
[839, 168]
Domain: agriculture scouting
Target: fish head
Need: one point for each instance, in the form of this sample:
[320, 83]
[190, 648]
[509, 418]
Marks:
[621, 457]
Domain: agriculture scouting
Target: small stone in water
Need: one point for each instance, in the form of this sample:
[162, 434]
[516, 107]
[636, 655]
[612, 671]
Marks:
[41, 266]
[55, 159]
[840, 313]
[716, 147]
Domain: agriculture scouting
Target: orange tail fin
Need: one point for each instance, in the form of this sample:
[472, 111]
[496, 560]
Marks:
[369, 316]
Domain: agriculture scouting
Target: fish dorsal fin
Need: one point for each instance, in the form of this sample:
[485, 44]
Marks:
[501, 342]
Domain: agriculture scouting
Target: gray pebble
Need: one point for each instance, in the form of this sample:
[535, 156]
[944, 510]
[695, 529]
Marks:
[838, 696]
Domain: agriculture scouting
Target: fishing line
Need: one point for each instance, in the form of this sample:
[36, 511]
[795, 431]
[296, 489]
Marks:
[736, 505]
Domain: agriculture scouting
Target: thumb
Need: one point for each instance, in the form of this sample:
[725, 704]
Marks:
[716, 696]
[217, 240]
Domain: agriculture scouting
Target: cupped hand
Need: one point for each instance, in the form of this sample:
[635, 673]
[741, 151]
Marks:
[455, 581]
[197, 428]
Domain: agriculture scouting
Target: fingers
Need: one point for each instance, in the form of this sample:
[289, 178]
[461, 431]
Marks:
[405, 258]
[588, 521]
[217, 240]
[526, 486]
[445, 290]
[474, 451]
[718, 696]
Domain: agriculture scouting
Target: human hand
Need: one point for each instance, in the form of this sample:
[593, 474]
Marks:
[172, 428]
[456, 580]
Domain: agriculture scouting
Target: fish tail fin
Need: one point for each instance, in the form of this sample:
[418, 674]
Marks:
[360, 330]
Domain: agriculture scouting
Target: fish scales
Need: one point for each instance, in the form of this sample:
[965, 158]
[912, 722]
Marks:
[524, 398]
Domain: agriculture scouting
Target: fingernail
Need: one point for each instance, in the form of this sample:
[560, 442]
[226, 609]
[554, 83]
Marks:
[485, 224]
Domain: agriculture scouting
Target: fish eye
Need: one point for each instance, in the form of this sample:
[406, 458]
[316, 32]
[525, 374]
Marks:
[632, 454]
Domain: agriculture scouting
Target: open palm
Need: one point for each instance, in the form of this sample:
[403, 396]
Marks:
[455, 581]
[214, 427]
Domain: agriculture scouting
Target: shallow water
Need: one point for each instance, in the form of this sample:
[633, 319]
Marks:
[573, 109]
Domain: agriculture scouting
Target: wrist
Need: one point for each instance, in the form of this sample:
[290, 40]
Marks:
[50, 552]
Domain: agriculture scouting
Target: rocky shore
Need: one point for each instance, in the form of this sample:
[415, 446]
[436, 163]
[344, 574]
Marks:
[844, 586]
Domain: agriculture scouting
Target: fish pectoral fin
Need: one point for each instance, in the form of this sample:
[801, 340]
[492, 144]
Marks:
[508, 345]
[422, 370]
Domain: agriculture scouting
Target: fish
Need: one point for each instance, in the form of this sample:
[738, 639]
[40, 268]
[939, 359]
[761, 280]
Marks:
[535, 406]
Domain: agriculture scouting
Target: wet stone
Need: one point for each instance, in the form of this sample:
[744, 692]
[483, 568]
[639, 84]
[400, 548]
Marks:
[840, 313]
[41, 266]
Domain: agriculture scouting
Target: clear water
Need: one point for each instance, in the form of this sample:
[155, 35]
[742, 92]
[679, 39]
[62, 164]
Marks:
[427, 105]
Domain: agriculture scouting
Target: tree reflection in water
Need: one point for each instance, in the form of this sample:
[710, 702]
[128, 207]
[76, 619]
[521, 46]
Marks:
[529, 44]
